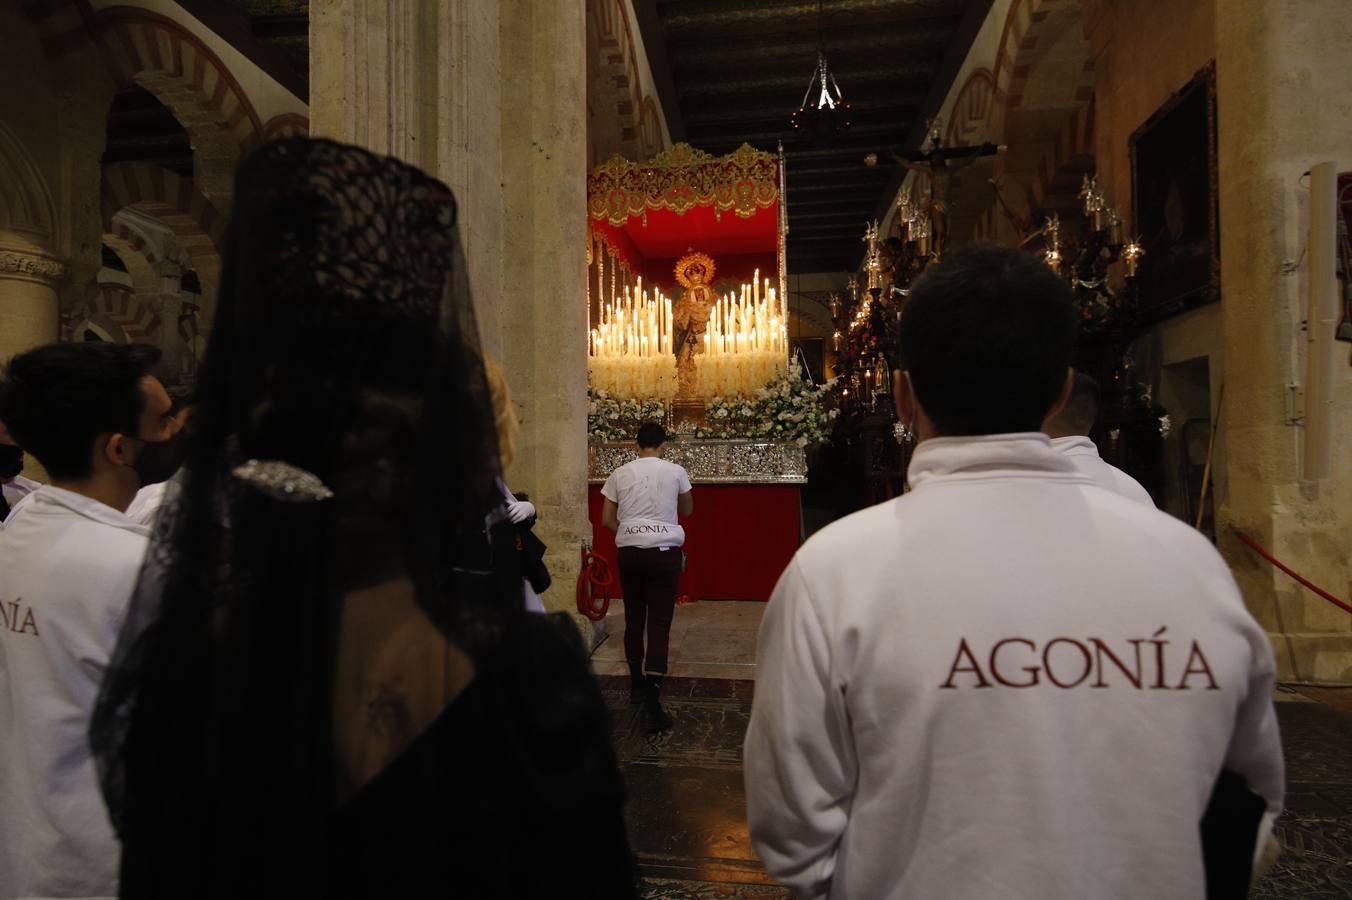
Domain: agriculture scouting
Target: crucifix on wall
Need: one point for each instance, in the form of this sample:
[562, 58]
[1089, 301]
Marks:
[938, 164]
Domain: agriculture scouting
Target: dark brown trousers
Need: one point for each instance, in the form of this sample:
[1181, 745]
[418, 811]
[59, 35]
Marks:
[649, 578]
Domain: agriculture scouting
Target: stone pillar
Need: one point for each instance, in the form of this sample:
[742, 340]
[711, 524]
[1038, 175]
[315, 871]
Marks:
[490, 97]
[421, 80]
[544, 318]
[29, 314]
[1283, 106]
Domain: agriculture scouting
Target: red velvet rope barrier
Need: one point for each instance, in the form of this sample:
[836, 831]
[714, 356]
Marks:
[595, 575]
[1289, 571]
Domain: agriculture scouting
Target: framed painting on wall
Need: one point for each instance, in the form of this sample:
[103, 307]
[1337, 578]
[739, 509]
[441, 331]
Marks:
[1174, 201]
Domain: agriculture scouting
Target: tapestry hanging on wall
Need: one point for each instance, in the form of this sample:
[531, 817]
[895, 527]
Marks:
[1174, 185]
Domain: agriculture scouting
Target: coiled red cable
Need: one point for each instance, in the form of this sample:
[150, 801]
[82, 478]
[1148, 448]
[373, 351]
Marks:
[593, 586]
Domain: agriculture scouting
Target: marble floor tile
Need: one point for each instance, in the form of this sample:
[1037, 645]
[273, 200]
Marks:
[687, 811]
[714, 639]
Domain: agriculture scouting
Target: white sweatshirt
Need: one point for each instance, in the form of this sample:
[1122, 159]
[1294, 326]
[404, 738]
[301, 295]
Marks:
[68, 565]
[1008, 683]
[1085, 455]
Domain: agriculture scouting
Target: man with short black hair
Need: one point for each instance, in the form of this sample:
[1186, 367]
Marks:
[1008, 682]
[643, 499]
[1069, 430]
[100, 424]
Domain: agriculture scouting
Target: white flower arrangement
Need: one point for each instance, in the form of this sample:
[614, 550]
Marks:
[611, 419]
[789, 409]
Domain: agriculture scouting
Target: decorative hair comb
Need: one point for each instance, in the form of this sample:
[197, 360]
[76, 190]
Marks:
[283, 481]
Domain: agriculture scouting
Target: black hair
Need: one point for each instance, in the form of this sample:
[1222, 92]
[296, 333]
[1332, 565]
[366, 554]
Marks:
[1081, 410]
[57, 399]
[651, 435]
[987, 337]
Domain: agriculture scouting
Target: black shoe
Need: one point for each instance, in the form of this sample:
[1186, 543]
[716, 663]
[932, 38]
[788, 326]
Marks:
[655, 718]
[638, 685]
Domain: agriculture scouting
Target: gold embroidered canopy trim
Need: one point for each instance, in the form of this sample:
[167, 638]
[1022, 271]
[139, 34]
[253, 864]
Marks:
[682, 178]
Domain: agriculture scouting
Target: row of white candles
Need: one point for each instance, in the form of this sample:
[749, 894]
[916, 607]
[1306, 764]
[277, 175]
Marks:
[634, 325]
[746, 322]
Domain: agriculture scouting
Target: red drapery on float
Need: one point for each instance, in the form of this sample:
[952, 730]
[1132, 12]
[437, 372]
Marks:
[645, 217]
[649, 215]
[739, 541]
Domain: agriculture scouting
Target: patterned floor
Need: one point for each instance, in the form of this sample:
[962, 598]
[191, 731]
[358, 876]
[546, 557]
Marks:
[1316, 828]
[688, 811]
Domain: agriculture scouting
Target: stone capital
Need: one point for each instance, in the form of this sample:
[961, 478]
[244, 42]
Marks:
[30, 266]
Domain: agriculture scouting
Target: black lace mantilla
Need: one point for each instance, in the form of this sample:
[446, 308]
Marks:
[344, 345]
[366, 230]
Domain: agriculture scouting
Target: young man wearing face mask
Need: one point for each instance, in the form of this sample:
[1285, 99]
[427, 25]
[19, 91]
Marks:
[145, 507]
[13, 486]
[100, 424]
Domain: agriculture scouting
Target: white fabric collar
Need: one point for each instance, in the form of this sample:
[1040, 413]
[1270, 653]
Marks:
[86, 507]
[990, 456]
[1076, 445]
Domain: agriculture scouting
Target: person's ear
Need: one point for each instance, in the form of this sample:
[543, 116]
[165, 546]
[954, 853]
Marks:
[903, 395]
[1063, 397]
[115, 449]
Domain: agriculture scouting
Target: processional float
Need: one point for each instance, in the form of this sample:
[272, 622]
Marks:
[688, 319]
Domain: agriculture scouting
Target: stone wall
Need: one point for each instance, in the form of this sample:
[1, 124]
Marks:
[485, 95]
[1284, 105]
[1139, 63]
[1283, 73]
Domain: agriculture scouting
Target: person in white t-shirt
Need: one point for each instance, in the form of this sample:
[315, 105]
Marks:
[1069, 430]
[99, 423]
[643, 500]
[1009, 682]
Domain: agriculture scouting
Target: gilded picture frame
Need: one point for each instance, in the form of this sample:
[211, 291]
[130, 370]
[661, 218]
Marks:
[1174, 202]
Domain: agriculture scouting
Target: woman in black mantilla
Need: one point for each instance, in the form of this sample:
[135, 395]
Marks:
[327, 685]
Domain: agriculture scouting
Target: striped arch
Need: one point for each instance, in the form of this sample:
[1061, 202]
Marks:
[1061, 170]
[285, 126]
[118, 316]
[649, 129]
[1017, 57]
[172, 63]
[176, 202]
[132, 240]
[134, 251]
[614, 84]
[969, 118]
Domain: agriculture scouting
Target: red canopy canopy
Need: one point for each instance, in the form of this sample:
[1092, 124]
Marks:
[687, 200]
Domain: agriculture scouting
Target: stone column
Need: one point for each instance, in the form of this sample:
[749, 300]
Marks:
[420, 80]
[29, 314]
[544, 321]
[1283, 105]
[490, 97]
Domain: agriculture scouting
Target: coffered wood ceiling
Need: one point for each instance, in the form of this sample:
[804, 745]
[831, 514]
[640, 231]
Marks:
[728, 72]
[736, 70]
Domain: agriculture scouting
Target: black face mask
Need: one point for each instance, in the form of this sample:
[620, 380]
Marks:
[11, 460]
[159, 460]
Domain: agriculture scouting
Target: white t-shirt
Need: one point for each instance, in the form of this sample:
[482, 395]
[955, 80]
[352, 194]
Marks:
[1007, 683]
[1084, 454]
[16, 490]
[68, 566]
[646, 492]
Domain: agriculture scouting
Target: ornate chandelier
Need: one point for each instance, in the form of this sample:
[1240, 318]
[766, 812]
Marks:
[828, 112]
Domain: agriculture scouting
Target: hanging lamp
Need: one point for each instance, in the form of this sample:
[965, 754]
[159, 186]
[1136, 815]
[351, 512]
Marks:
[824, 111]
